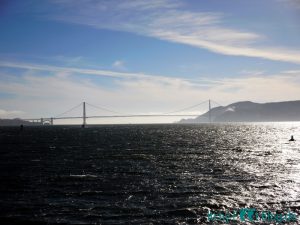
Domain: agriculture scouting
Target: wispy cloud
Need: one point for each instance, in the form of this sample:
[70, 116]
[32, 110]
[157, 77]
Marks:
[252, 72]
[119, 64]
[296, 72]
[138, 93]
[169, 20]
[294, 4]
[104, 73]
[146, 5]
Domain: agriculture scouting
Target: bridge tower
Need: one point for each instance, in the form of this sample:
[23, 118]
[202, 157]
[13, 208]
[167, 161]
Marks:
[209, 112]
[84, 115]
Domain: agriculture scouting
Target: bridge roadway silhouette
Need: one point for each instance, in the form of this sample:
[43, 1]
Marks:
[84, 117]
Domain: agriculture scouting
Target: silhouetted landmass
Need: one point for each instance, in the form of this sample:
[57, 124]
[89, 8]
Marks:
[251, 112]
[16, 122]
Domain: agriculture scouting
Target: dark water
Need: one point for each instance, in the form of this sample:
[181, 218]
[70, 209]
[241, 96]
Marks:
[146, 174]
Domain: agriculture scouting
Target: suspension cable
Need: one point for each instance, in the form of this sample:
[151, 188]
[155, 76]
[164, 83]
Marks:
[112, 111]
[68, 110]
[216, 103]
[105, 109]
[190, 107]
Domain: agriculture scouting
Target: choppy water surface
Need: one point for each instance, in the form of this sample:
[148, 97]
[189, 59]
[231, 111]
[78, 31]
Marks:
[143, 174]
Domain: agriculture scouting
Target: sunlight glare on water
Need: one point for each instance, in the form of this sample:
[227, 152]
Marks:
[156, 173]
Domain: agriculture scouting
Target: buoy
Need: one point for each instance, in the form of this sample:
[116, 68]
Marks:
[292, 138]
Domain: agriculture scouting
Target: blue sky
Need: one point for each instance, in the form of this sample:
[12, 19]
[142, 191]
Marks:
[140, 56]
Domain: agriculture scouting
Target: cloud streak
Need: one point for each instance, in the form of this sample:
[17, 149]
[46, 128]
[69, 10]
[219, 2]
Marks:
[294, 4]
[170, 21]
[103, 73]
[119, 64]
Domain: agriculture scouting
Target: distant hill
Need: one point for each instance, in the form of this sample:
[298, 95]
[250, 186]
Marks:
[251, 112]
[15, 122]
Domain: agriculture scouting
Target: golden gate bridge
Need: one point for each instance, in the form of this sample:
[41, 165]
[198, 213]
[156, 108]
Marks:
[84, 116]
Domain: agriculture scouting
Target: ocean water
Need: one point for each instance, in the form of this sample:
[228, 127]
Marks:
[146, 174]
